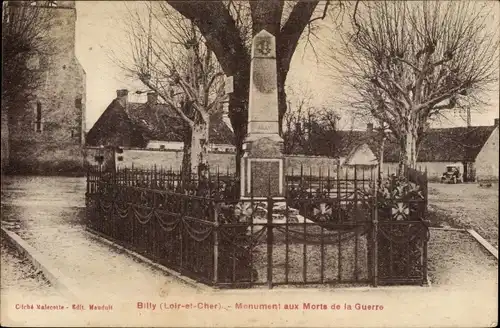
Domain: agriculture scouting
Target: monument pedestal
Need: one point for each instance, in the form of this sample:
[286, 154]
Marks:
[262, 168]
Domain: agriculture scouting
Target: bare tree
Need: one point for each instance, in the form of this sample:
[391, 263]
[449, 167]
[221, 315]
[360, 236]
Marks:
[407, 62]
[170, 57]
[308, 129]
[295, 120]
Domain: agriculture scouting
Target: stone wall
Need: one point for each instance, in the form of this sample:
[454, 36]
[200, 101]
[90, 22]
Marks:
[5, 141]
[47, 159]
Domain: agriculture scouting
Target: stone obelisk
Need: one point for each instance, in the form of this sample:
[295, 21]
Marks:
[262, 162]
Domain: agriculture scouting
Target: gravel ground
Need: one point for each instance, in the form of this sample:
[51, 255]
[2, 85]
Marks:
[19, 276]
[457, 259]
[313, 258]
[466, 206]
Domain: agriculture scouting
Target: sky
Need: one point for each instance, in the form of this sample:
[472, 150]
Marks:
[101, 38]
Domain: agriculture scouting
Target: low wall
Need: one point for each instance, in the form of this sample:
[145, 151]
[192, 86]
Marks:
[310, 165]
[225, 162]
[146, 158]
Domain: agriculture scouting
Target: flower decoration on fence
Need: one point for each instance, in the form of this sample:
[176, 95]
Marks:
[397, 188]
[399, 199]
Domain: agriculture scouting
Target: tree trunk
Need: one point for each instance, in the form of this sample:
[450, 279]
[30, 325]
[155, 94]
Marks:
[408, 152]
[381, 160]
[238, 111]
[186, 156]
[282, 106]
[199, 145]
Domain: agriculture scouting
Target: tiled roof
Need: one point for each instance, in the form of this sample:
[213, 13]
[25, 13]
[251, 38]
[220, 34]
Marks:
[158, 122]
[439, 145]
[446, 145]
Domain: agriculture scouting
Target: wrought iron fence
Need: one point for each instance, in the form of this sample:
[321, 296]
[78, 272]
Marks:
[335, 229]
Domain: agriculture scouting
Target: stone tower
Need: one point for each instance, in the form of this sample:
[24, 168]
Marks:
[48, 136]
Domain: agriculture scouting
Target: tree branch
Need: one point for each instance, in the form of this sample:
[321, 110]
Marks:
[219, 29]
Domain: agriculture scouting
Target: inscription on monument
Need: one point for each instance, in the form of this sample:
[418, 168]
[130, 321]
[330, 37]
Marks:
[263, 127]
[265, 178]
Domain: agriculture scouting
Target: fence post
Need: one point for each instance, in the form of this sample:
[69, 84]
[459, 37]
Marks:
[181, 230]
[216, 243]
[424, 271]
[111, 231]
[88, 179]
[375, 235]
[270, 206]
[87, 198]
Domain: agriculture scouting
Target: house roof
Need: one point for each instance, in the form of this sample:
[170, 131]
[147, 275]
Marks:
[160, 122]
[446, 145]
[439, 145]
[156, 121]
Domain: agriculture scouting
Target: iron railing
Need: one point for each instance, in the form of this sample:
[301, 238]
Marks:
[336, 229]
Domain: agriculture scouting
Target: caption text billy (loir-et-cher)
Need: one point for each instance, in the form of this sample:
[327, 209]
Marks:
[305, 306]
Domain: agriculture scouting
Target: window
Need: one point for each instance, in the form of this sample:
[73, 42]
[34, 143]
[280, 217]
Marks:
[78, 102]
[38, 119]
[75, 133]
[99, 159]
[120, 158]
[52, 3]
[162, 146]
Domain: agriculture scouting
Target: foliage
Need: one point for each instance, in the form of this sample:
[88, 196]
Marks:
[400, 199]
[394, 187]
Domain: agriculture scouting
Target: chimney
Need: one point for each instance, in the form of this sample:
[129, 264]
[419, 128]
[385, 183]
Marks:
[369, 127]
[152, 98]
[496, 122]
[122, 96]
